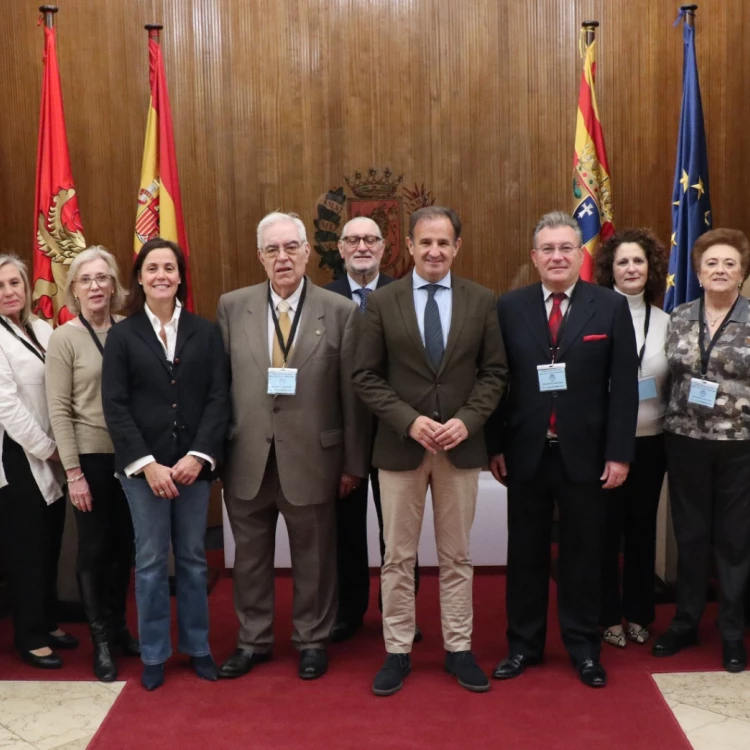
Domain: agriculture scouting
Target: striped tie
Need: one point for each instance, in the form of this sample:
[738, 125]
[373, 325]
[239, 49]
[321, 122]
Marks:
[555, 319]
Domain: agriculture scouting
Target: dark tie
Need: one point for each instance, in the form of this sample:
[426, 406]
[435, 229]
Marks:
[363, 293]
[555, 319]
[433, 330]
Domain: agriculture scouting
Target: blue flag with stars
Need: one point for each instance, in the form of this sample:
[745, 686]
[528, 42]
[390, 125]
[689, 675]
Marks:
[691, 204]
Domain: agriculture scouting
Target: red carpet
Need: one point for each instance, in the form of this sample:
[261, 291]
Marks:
[272, 708]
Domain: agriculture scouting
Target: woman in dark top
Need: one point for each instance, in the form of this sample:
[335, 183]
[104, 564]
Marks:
[166, 403]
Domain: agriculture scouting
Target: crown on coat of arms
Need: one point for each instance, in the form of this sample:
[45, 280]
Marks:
[375, 185]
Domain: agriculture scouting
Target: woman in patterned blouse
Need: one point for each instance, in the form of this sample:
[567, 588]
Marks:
[707, 429]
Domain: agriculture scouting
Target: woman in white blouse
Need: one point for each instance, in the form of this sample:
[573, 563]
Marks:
[31, 514]
[633, 263]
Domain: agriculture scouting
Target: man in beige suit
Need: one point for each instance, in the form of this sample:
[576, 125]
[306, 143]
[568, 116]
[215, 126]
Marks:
[299, 437]
[431, 366]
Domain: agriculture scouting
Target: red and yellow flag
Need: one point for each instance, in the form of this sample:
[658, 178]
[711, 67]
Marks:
[159, 211]
[592, 194]
[58, 232]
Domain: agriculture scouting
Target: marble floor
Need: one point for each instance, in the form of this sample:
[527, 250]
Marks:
[713, 708]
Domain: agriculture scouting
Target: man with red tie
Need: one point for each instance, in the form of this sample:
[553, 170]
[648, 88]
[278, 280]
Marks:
[564, 433]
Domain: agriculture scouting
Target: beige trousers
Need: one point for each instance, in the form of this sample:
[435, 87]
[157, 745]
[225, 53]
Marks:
[454, 499]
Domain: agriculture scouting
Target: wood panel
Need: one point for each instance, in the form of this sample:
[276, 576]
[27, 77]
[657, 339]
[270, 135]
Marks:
[277, 101]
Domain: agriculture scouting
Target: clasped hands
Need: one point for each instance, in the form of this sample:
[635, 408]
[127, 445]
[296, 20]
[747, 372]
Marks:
[163, 479]
[434, 437]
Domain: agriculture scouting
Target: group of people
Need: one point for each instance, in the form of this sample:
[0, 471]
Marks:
[575, 395]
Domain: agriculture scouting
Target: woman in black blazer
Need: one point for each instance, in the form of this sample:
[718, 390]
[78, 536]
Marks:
[166, 403]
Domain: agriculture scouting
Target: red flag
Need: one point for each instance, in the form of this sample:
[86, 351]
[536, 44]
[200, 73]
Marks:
[58, 232]
[159, 211]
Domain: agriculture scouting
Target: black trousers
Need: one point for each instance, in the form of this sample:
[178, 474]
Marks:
[105, 542]
[30, 538]
[709, 487]
[583, 514]
[353, 564]
[631, 526]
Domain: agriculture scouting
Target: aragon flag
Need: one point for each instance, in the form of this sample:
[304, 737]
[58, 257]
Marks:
[58, 232]
[159, 210]
[592, 193]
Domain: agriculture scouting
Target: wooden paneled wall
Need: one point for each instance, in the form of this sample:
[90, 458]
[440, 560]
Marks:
[277, 101]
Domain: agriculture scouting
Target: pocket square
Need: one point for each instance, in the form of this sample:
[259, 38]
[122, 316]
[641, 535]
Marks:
[595, 337]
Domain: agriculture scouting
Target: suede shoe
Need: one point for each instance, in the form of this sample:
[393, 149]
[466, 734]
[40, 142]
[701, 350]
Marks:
[390, 679]
[670, 642]
[513, 666]
[463, 666]
[734, 656]
[205, 667]
[241, 662]
[592, 673]
[313, 663]
[152, 676]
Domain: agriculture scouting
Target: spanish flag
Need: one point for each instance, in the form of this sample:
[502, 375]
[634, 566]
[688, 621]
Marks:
[58, 232]
[592, 194]
[159, 210]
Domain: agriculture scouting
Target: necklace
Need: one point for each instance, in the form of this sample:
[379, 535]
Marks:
[714, 319]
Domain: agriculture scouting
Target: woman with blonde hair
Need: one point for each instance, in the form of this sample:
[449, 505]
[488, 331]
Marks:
[31, 514]
[74, 379]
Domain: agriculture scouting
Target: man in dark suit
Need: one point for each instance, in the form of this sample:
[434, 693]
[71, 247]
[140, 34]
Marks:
[564, 433]
[298, 439]
[431, 367]
[361, 246]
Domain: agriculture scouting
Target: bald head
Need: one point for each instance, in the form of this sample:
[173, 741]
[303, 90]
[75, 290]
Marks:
[361, 246]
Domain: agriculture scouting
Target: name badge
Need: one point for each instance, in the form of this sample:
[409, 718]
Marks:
[646, 388]
[282, 381]
[702, 392]
[552, 377]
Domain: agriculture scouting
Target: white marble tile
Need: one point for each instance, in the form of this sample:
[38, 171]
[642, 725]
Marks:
[718, 692]
[730, 733]
[692, 718]
[49, 715]
[10, 741]
[76, 744]
[115, 687]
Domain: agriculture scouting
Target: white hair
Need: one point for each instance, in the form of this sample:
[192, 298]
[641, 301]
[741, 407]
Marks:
[95, 252]
[554, 220]
[345, 230]
[274, 218]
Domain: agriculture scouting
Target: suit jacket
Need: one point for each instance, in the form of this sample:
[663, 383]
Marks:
[154, 408]
[321, 431]
[596, 415]
[341, 286]
[396, 380]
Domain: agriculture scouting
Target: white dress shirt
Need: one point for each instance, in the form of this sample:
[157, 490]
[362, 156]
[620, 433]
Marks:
[564, 305]
[356, 286]
[170, 328]
[293, 302]
[23, 407]
[443, 297]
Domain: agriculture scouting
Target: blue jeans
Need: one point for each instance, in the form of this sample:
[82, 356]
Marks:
[155, 521]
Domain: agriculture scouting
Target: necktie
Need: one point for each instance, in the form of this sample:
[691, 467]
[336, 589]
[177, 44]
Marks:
[555, 319]
[285, 324]
[363, 293]
[433, 330]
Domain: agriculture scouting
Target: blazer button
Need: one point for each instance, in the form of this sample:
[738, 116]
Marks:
[435, 415]
[554, 394]
[174, 406]
[276, 410]
[173, 382]
[177, 360]
[269, 440]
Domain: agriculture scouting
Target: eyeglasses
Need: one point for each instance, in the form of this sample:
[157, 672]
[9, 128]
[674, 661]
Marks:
[101, 279]
[290, 248]
[370, 240]
[564, 249]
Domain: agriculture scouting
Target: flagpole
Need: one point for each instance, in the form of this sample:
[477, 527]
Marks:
[689, 11]
[153, 27]
[590, 28]
[48, 11]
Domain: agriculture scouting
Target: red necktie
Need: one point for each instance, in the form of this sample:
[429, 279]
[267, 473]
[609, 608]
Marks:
[555, 319]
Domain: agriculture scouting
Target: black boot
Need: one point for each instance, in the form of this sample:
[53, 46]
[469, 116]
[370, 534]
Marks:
[118, 597]
[105, 668]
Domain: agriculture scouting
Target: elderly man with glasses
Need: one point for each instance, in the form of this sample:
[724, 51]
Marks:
[361, 247]
[298, 439]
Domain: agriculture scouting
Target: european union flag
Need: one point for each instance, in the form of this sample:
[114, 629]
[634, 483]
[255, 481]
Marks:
[691, 205]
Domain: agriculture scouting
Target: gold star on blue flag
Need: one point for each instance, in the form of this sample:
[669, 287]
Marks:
[691, 204]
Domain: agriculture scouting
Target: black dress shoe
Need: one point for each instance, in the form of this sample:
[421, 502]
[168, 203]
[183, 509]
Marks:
[463, 666]
[241, 662]
[51, 661]
[670, 642]
[592, 673]
[513, 666]
[62, 641]
[313, 663]
[105, 668]
[734, 656]
[128, 644]
[390, 678]
[344, 630]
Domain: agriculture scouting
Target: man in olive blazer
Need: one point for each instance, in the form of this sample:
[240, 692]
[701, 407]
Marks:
[431, 367]
[289, 454]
